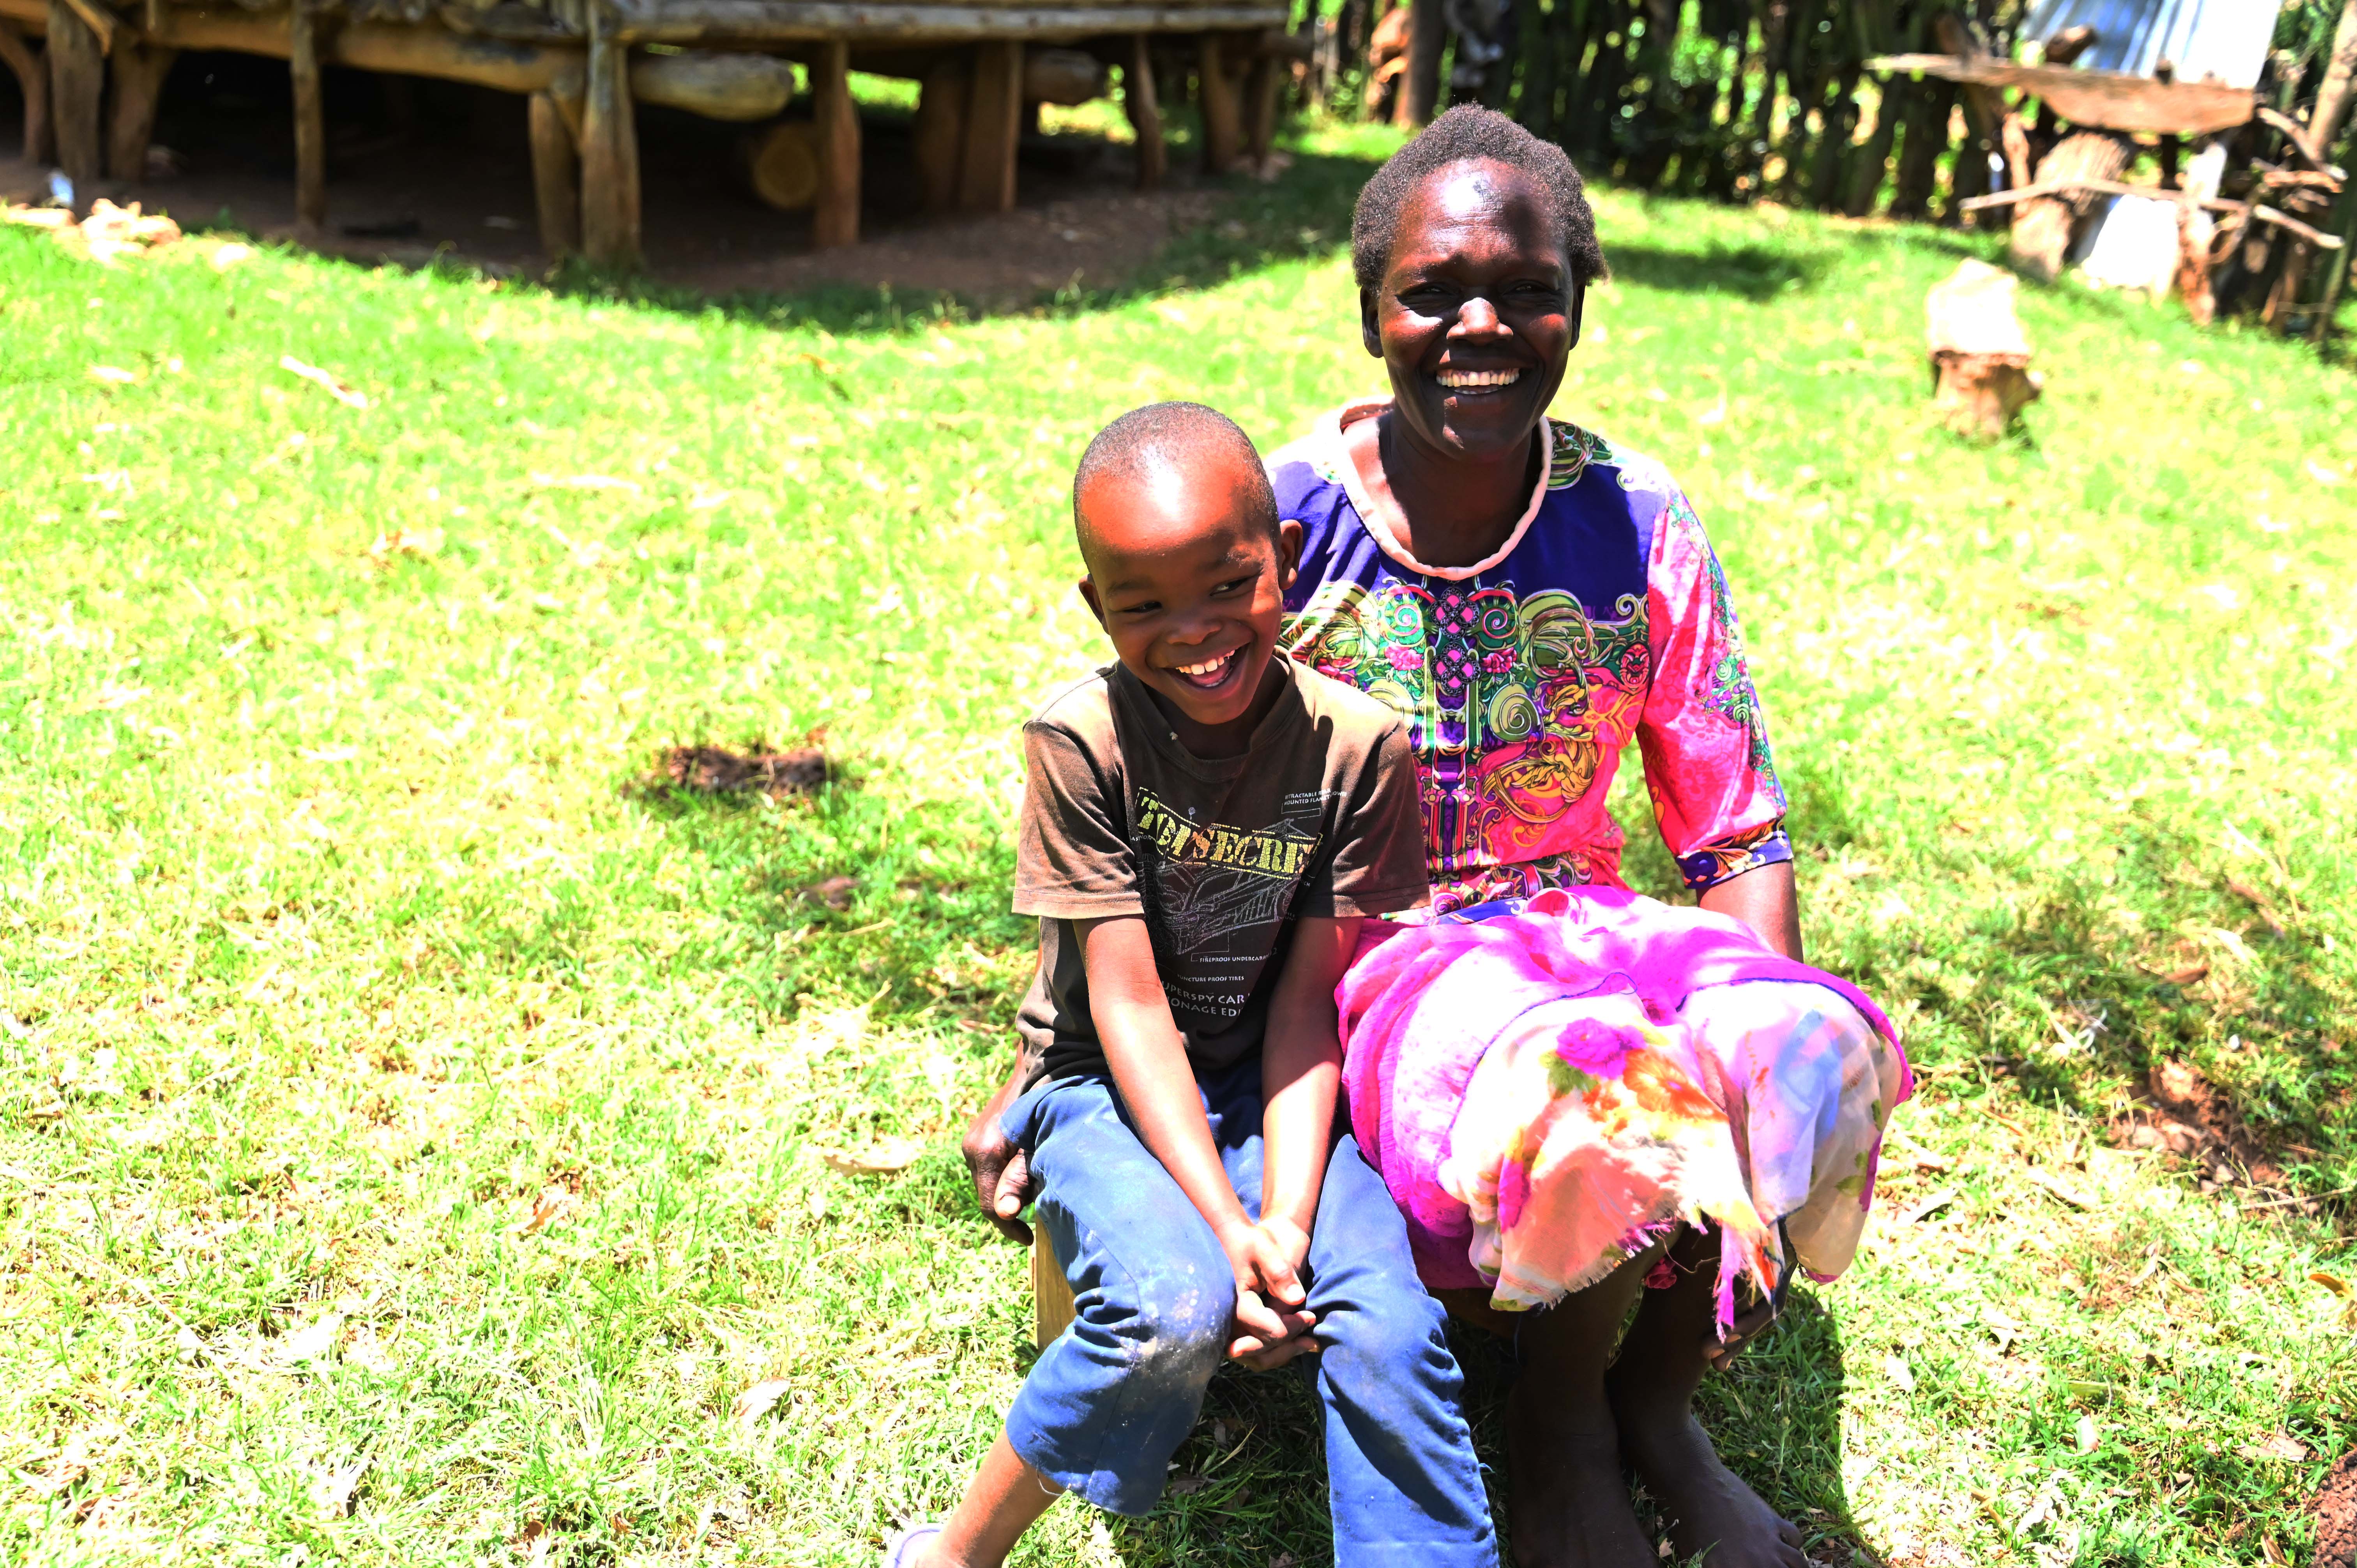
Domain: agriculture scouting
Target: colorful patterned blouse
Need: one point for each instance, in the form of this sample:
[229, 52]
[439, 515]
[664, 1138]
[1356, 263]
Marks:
[1603, 616]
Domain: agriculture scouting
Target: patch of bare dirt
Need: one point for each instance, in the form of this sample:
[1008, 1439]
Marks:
[721, 770]
[2183, 1113]
[2335, 1511]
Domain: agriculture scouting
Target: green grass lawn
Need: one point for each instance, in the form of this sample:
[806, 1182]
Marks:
[413, 1116]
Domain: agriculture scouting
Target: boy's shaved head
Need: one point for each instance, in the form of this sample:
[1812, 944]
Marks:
[1171, 442]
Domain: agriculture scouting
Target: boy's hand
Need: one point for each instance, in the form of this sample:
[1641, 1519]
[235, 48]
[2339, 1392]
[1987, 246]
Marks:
[1003, 1183]
[1273, 1327]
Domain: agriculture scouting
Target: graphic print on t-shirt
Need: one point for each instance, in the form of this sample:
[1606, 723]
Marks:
[1217, 892]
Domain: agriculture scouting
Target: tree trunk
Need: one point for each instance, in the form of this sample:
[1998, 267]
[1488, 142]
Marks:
[1919, 157]
[1420, 83]
[1873, 160]
[2333, 98]
[1536, 106]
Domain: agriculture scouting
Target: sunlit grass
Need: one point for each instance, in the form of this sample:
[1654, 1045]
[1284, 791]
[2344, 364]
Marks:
[397, 1078]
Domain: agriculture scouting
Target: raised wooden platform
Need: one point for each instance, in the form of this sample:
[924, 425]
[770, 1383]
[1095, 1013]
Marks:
[91, 88]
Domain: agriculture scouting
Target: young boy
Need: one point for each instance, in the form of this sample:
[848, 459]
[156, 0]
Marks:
[1205, 826]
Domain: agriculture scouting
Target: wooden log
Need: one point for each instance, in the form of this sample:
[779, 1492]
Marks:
[798, 21]
[1052, 1308]
[310, 119]
[938, 132]
[2043, 230]
[1145, 114]
[1260, 110]
[1980, 359]
[555, 177]
[836, 120]
[742, 87]
[609, 149]
[993, 122]
[2095, 100]
[1061, 76]
[781, 163]
[1215, 91]
[139, 69]
[77, 86]
[32, 74]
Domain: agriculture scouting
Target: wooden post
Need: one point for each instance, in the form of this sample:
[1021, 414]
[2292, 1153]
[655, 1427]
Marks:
[609, 149]
[555, 177]
[1420, 82]
[1260, 109]
[836, 118]
[139, 72]
[994, 123]
[77, 84]
[1222, 118]
[1051, 1293]
[1145, 113]
[939, 133]
[310, 120]
[32, 75]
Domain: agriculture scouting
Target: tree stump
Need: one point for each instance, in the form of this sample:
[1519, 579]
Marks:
[1980, 360]
[32, 75]
[2045, 226]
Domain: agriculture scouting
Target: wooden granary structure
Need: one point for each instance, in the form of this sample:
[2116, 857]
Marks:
[92, 71]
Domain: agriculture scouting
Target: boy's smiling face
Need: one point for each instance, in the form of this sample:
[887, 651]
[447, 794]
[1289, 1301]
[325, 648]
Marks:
[1189, 582]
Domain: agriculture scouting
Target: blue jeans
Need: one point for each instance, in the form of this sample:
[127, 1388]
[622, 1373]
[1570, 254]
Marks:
[1112, 1399]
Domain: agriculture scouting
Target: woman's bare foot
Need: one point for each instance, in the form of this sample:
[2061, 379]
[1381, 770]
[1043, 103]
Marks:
[1706, 1506]
[1567, 1504]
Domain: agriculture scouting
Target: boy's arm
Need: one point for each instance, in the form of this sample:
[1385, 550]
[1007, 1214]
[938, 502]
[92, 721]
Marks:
[1149, 1059]
[1301, 1078]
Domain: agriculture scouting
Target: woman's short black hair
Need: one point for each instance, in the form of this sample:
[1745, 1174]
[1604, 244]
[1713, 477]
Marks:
[1471, 132]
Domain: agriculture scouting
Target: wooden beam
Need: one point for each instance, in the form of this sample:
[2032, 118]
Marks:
[139, 68]
[2095, 100]
[310, 120]
[76, 86]
[32, 73]
[836, 117]
[783, 21]
[2257, 211]
[1145, 113]
[994, 127]
[1223, 116]
[609, 149]
[938, 135]
[555, 177]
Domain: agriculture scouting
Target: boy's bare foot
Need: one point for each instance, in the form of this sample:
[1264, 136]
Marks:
[1706, 1505]
[1567, 1504]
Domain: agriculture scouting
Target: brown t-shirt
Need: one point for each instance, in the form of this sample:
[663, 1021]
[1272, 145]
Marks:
[1317, 818]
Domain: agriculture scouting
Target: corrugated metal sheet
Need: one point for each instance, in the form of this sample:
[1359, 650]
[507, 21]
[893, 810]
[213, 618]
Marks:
[2224, 39]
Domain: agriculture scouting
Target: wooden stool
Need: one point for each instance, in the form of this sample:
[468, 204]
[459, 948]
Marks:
[1051, 1294]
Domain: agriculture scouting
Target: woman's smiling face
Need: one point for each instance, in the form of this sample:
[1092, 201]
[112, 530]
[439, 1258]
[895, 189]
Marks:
[1477, 311]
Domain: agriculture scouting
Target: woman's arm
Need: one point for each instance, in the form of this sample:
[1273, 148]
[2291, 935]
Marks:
[1765, 899]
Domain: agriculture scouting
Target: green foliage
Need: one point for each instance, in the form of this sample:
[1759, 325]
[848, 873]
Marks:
[412, 1111]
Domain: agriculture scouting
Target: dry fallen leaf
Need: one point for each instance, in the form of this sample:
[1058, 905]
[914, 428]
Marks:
[113, 375]
[421, 542]
[342, 392]
[879, 1159]
[2088, 1437]
[2061, 1190]
[2276, 1446]
[332, 1489]
[553, 1204]
[1930, 1206]
[227, 256]
[316, 1342]
[2333, 1283]
[835, 892]
[759, 1400]
[1899, 1372]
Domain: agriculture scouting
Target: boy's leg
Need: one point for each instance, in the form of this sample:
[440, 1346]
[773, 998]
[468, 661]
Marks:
[1108, 1404]
[1399, 1457]
[1005, 1499]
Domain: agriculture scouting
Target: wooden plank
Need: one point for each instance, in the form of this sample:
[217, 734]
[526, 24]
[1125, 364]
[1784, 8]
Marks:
[2095, 100]
[1053, 1308]
[139, 69]
[77, 86]
[32, 74]
[937, 136]
[609, 149]
[993, 126]
[787, 21]
[1215, 91]
[555, 177]
[1138, 99]
[310, 120]
[836, 220]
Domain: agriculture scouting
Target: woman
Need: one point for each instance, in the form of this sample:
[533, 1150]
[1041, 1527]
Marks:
[1572, 1092]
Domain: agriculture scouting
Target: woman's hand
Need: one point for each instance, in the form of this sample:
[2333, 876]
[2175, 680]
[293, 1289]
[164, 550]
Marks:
[1003, 1183]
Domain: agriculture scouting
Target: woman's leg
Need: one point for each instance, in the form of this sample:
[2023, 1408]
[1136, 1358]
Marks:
[1652, 1387]
[1567, 1504]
